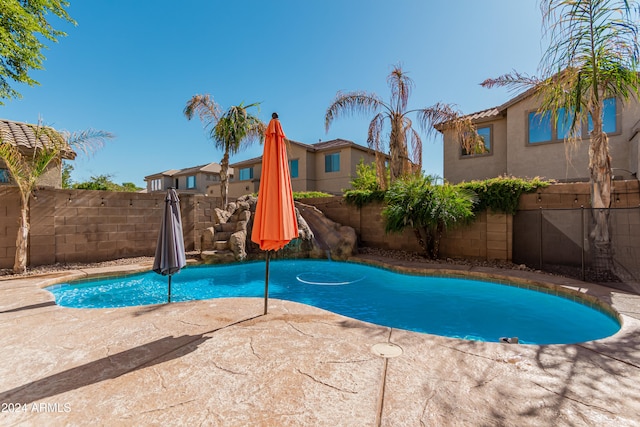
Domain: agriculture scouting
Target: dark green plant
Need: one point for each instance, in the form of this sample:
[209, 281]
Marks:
[501, 194]
[427, 208]
[363, 197]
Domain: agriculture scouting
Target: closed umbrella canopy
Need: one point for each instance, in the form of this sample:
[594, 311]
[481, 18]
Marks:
[170, 255]
[274, 222]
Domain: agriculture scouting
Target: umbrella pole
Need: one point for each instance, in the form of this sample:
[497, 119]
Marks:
[266, 283]
[169, 295]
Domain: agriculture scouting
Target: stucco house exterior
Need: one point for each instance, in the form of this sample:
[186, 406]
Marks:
[520, 142]
[192, 180]
[25, 137]
[325, 166]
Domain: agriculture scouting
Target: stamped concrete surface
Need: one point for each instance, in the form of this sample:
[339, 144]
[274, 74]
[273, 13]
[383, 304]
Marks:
[222, 363]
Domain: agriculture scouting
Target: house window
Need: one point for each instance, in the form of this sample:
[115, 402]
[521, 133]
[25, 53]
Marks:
[542, 128]
[246, 174]
[609, 120]
[191, 181]
[293, 168]
[332, 162]
[483, 146]
[564, 124]
[5, 178]
[156, 184]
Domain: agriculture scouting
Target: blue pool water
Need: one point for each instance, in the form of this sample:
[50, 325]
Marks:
[461, 308]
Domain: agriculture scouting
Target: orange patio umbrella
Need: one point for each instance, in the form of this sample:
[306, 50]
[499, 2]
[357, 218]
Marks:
[274, 223]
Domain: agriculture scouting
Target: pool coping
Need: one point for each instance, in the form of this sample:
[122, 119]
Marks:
[224, 363]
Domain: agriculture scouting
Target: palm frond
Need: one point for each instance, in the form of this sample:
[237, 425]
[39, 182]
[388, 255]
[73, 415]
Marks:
[13, 159]
[514, 81]
[446, 115]
[401, 86]
[376, 126]
[205, 107]
[87, 141]
[350, 103]
[416, 148]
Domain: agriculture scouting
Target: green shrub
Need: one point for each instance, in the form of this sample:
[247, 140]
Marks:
[309, 194]
[501, 194]
[427, 208]
[366, 177]
[363, 197]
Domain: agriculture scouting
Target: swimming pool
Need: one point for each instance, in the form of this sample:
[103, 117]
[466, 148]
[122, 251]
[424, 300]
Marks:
[453, 307]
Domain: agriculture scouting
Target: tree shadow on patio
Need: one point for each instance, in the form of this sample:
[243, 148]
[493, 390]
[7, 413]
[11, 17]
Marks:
[30, 307]
[109, 367]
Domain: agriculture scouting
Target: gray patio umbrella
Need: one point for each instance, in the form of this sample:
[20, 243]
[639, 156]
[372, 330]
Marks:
[170, 256]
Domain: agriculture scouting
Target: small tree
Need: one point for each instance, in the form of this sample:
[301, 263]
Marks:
[105, 183]
[366, 177]
[67, 168]
[429, 209]
[25, 169]
[23, 28]
[231, 131]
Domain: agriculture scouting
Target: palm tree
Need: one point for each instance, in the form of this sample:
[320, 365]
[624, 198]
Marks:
[230, 131]
[396, 114]
[592, 55]
[26, 169]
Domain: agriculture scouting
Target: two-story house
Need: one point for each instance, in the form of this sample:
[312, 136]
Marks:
[27, 139]
[193, 180]
[324, 166]
[520, 141]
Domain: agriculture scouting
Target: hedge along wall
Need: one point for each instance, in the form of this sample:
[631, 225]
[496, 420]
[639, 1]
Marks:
[88, 226]
[488, 237]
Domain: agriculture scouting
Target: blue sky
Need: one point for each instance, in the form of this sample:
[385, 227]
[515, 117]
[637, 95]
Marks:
[129, 68]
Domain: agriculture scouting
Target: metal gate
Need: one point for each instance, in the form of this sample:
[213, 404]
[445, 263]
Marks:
[559, 241]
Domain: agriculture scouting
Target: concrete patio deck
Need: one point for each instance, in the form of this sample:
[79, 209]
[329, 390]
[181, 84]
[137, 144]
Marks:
[222, 363]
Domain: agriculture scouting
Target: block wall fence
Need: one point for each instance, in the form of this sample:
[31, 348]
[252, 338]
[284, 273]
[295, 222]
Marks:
[89, 226]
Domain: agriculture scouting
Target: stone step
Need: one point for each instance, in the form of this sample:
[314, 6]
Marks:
[222, 235]
[217, 257]
[228, 227]
[221, 245]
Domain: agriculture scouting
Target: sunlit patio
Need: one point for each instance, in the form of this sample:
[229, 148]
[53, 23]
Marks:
[221, 362]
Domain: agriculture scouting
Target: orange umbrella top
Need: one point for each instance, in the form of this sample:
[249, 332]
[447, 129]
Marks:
[274, 223]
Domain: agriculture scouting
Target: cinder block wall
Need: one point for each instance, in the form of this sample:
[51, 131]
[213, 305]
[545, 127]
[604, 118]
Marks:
[488, 237]
[89, 226]
[624, 194]
[9, 214]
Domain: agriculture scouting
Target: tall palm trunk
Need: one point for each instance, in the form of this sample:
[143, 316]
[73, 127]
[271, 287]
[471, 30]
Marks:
[224, 178]
[398, 149]
[20, 261]
[600, 174]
